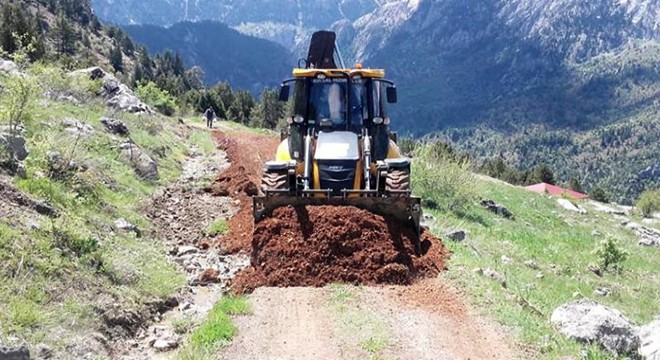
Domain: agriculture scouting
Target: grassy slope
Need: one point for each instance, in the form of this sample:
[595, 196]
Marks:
[561, 243]
[62, 274]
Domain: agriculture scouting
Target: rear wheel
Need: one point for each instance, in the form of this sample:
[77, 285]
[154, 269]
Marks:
[397, 181]
[274, 181]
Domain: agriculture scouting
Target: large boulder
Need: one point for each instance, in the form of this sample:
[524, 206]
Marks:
[141, 162]
[116, 94]
[570, 206]
[15, 145]
[9, 67]
[650, 340]
[589, 322]
[17, 353]
[647, 236]
[77, 127]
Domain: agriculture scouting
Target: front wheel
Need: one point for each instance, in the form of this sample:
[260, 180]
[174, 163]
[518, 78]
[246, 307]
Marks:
[276, 182]
[397, 182]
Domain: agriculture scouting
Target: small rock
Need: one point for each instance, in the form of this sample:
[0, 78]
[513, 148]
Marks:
[33, 225]
[603, 291]
[457, 236]
[184, 306]
[429, 218]
[577, 294]
[540, 275]
[589, 322]
[115, 126]
[44, 352]
[163, 345]
[185, 250]
[650, 340]
[506, 260]
[490, 205]
[494, 275]
[209, 276]
[123, 225]
[531, 264]
[596, 233]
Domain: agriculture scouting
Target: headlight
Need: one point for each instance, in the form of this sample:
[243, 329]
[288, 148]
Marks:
[378, 120]
[298, 119]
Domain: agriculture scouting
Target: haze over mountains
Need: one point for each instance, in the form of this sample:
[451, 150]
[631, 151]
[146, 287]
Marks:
[562, 69]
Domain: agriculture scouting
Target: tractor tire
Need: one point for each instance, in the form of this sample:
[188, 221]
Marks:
[274, 181]
[397, 181]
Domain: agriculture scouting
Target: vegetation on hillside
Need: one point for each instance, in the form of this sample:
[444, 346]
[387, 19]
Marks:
[79, 265]
[547, 255]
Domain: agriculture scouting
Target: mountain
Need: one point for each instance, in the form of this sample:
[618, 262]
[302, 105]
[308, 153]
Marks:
[224, 54]
[287, 22]
[506, 69]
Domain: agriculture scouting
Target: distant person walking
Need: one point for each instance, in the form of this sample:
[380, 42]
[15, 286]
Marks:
[209, 115]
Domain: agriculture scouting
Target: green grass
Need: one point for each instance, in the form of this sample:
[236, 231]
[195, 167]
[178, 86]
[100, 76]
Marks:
[217, 227]
[55, 276]
[217, 330]
[562, 244]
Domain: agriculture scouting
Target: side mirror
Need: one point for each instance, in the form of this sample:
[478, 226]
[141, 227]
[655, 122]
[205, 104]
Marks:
[392, 96]
[284, 93]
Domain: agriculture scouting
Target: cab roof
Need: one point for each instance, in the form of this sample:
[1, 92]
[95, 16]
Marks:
[337, 73]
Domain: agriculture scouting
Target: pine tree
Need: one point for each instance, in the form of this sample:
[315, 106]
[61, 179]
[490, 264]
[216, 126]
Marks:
[117, 58]
[268, 111]
[65, 36]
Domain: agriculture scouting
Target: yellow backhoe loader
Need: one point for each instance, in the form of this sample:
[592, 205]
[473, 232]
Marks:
[338, 149]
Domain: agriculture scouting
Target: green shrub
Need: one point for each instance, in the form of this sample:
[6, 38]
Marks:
[599, 194]
[160, 99]
[610, 256]
[444, 183]
[649, 202]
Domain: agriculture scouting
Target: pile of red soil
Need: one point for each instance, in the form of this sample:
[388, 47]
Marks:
[247, 153]
[319, 245]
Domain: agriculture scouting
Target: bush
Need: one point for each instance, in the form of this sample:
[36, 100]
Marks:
[17, 97]
[159, 99]
[599, 194]
[441, 181]
[610, 256]
[649, 202]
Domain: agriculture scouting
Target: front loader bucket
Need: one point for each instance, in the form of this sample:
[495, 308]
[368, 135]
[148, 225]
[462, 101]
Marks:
[406, 209]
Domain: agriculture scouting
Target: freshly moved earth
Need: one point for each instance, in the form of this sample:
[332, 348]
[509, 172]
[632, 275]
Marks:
[320, 245]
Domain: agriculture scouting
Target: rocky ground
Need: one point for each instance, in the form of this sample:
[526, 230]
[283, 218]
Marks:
[180, 214]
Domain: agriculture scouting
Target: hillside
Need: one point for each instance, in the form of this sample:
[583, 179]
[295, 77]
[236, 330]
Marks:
[101, 190]
[222, 53]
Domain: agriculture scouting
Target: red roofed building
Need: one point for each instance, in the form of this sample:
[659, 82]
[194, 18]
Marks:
[544, 188]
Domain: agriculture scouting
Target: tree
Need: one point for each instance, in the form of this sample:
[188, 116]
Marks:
[542, 174]
[65, 36]
[599, 194]
[117, 58]
[575, 185]
[20, 30]
[649, 202]
[268, 111]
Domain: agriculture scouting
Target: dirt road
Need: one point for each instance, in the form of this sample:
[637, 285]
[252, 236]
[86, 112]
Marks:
[346, 322]
[426, 320]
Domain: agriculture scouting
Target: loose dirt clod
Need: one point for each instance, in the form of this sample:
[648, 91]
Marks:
[318, 245]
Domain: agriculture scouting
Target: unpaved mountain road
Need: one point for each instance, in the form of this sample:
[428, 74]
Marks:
[390, 322]
[426, 320]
